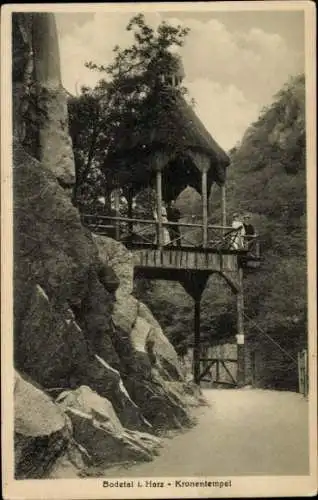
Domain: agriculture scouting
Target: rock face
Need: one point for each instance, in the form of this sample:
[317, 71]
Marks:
[148, 360]
[80, 335]
[39, 100]
[98, 429]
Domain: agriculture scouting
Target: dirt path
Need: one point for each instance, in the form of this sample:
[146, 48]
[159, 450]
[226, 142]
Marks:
[243, 432]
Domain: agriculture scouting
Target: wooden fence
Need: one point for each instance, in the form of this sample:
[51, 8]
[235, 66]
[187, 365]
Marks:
[144, 232]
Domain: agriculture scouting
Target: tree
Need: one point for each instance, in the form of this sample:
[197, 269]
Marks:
[128, 95]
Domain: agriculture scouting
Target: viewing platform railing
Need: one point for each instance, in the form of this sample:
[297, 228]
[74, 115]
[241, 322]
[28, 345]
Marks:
[135, 232]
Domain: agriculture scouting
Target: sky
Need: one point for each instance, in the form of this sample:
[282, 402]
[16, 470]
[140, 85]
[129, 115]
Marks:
[234, 61]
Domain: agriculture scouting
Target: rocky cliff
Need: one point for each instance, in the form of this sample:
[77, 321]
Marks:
[96, 377]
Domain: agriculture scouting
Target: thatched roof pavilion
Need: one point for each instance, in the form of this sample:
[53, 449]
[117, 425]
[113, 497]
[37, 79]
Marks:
[164, 144]
[168, 136]
[176, 136]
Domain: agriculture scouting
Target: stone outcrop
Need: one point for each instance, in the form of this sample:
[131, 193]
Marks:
[148, 360]
[43, 434]
[79, 333]
[65, 437]
[39, 100]
[98, 429]
[108, 383]
[160, 347]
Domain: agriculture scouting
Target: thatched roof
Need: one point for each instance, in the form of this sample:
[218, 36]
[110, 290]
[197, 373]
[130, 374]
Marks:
[196, 135]
[170, 125]
[178, 126]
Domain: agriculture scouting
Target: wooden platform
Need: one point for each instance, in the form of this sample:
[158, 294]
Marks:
[185, 259]
[189, 261]
[171, 261]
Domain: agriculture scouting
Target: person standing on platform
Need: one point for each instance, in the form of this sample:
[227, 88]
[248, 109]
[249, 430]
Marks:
[165, 232]
[174, 215]
[249, 231]
[239, 233]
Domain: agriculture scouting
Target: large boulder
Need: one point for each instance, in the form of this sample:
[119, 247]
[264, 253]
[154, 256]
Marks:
[42, 434]
[98, 429]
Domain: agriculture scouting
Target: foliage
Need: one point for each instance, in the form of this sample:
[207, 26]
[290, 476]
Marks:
[127, 99]
[268, 178]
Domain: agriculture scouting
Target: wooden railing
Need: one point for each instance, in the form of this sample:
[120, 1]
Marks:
[144, 232]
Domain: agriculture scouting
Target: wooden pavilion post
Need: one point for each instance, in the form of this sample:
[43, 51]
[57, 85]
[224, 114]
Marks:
[117, 214]
[202, 162]
[204, 209]
[240, 332]
[223, 205]
[159, 207]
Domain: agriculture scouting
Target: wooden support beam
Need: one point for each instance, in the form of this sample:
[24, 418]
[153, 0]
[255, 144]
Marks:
[214, 360]
[194, 284]
[228, 372]
[217, 376]
[196, 349]
[204, 209]
[159, 208]
[223, 206]
[207, 369]
[232, 279]
[240, 333]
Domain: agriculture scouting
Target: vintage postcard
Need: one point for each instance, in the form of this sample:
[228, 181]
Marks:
[158, 230]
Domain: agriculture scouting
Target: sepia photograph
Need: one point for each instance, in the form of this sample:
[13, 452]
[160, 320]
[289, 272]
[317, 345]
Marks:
[158, 272]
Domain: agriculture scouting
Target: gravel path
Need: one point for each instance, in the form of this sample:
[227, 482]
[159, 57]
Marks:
[243, 432]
